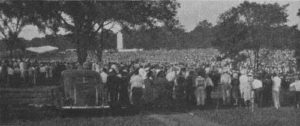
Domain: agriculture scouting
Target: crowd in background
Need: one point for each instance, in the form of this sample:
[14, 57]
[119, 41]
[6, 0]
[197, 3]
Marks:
[144, 82]
[196, 80]
[20, 73]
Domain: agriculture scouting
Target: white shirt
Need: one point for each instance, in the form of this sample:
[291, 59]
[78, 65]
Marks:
[171, 76]
[276, 83]
[10, 71]
[103, 76]
[243, 79]
[243, 82]
[95, 67]
[137, 81]
[187, 73]
[143, 73]
[43, 69]
[295, 86]
[256, 84]
[22, 66]
[207, 70]
[225, 79]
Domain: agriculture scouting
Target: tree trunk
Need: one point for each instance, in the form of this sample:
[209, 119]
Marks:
[10, 53]
[99, 49]
[81, 54]
[99, 55]
[256, 59]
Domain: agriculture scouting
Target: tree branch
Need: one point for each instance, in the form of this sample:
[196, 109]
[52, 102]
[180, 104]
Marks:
[3, 33]
[100, 26]
[18, 27]
[107, 23]
[64, 21]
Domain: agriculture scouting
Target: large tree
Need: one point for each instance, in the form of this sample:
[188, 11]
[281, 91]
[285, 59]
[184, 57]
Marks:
[202, 35]
[297, 45]
[85, 19]
[250, 26]
[13, 18]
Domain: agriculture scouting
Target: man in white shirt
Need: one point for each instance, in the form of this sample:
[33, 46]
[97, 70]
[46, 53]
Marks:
[200, 92]
[225, 83]
[136, 88]
[23, 69]
[256, 90]
[245, 87]
[276, 90]
[10, 73]
[207, 70]
[143, 73]
[171, 75]
[295, 87]
[94, 65]
[103, 76]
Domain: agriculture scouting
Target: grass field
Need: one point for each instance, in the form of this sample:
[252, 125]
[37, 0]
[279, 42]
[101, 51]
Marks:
[286, 116]
[137, 120]
[176, 114]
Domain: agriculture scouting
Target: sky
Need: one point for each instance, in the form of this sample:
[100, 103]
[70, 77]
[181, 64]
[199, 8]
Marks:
[193, 11]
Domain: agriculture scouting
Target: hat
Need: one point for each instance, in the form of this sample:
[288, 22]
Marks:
[147, 68]
[114, 66]
[250, 74]
[87, 65]
[243, 72]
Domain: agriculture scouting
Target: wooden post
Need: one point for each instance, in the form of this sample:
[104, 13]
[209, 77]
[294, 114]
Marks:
[97, 97]
[75, 99]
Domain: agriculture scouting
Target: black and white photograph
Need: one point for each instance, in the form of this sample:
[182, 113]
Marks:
[149, 62]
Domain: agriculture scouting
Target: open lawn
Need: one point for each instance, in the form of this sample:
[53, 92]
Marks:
[137, 120]
[286, 116]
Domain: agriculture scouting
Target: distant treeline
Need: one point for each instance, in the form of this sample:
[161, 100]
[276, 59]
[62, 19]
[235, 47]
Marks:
[202, 36]
[154, 38]
[170, 37]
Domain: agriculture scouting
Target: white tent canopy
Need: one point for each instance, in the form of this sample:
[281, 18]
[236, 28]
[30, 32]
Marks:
[42, 49]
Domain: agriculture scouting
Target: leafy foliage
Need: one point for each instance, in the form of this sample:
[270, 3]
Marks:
[13, 18]
[84, 19]
[250, 26]
[253, 26]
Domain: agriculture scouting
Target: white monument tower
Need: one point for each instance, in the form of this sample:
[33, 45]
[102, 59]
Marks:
[119, 40]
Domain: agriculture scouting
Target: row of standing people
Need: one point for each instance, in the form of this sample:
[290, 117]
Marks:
[20, 73]
[195, 86]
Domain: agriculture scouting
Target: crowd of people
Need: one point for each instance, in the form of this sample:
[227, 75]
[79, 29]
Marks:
[20, 73]
[144, 82]
[195, 81]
